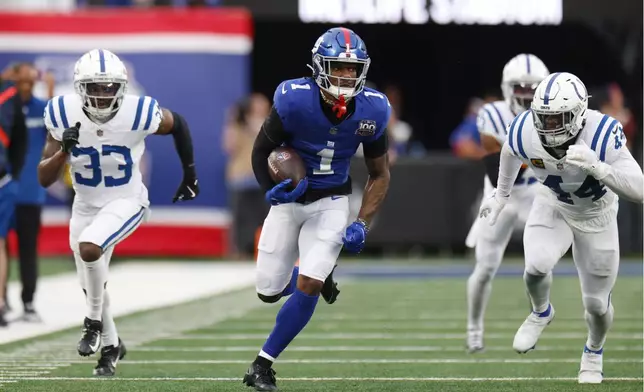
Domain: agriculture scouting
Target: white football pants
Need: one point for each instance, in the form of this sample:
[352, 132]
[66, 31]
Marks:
[313, 233]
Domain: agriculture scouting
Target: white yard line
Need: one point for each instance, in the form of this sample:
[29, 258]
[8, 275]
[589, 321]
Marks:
[401, 336]
[393, 317]
[397, 379]
[416, 326]
[366, 361]
[366, 348]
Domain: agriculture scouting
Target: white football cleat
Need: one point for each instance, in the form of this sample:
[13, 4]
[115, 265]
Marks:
[591, 369]
[529, 332]
[475, 342]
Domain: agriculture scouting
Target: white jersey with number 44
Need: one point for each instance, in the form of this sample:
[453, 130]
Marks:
[105, 163]
[585, 202]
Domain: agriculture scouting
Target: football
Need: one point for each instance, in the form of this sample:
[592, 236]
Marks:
[285, 163]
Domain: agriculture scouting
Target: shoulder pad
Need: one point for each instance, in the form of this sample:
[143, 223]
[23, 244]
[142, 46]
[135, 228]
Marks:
[607, 138]
[144, 113]
[380, 106]
[518, 130]
[290, 91]
[56, 114]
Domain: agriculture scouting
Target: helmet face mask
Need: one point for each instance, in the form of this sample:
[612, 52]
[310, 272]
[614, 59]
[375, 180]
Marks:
[521, 76]
[522, 94]
[554, 128]
[101, 96]
[559, 108]
[340, 63]
[100, 78]
[338, 77]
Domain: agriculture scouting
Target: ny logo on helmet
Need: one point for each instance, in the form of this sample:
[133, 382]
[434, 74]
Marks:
[366, 128]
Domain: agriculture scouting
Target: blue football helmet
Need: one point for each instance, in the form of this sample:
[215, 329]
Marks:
[340, 47]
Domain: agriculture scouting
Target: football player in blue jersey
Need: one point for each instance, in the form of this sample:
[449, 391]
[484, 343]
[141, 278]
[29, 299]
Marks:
[324, 118]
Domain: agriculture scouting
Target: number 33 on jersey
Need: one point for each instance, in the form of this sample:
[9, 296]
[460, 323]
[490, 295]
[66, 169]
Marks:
[105, 163]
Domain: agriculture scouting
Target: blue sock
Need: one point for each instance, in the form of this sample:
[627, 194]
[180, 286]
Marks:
[291, 286]
[291, 319]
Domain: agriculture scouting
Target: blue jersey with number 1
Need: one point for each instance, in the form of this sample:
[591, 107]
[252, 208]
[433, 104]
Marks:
[325, 148]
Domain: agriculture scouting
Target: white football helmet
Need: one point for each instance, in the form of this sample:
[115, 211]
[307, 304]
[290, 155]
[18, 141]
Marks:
[100, 78]
[559, 108]
[521, 75]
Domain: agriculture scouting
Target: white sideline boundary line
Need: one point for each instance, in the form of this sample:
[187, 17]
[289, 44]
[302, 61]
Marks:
[237, 379]
[365, 348]
[392, 318]
[134, 286]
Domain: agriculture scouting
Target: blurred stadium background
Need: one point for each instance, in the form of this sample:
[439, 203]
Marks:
[218, 62]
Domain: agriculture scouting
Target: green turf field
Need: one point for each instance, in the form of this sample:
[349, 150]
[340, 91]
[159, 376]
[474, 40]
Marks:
[381, 335]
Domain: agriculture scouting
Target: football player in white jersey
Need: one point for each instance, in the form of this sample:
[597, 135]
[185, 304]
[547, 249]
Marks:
[581, 158]
[521, 75]
[100, 131]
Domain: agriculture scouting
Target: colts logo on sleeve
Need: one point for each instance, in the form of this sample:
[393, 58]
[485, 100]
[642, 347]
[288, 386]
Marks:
[366, 128]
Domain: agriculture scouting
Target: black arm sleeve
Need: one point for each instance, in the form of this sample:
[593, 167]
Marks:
[271, 136]
[183, 143]
[492, 167]
[18, 143]
[378, 147]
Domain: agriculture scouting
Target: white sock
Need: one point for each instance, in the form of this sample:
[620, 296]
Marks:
[264, 355]
[598, 327]
[95, 278]
[538, 287]
[109, 335]
[479, 287]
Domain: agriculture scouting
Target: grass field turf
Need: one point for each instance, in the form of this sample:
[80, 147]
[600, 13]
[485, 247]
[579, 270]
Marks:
[381, 335]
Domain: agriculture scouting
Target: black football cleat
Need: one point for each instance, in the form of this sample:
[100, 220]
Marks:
[263, 379]
[330, 290]
[110, 356]
[3, 318]
[90, 339]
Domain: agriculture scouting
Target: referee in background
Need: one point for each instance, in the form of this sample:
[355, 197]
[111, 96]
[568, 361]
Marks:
[13, 145]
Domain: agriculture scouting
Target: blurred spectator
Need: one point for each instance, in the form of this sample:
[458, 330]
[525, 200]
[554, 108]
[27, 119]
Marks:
[13, 140]
[30, 195]
[611, 102]
[246, 198]
[465, 139]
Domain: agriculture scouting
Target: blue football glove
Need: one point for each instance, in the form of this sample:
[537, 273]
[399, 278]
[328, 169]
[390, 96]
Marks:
[279, 195]
[355, 236]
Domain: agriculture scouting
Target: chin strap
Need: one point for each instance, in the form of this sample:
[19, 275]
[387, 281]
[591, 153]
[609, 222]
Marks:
[340, 107]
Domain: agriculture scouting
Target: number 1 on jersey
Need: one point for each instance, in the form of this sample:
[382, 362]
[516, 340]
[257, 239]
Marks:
[325, 161]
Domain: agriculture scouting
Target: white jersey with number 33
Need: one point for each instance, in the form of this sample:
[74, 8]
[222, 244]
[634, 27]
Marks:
[105, 163]
[585, 202]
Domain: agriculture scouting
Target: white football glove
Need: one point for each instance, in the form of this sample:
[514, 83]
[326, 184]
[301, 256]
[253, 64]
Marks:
[581, 156]
[492, 207]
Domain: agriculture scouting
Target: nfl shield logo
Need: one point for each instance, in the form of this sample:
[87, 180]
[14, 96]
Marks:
[560, 166]
[99, 132]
